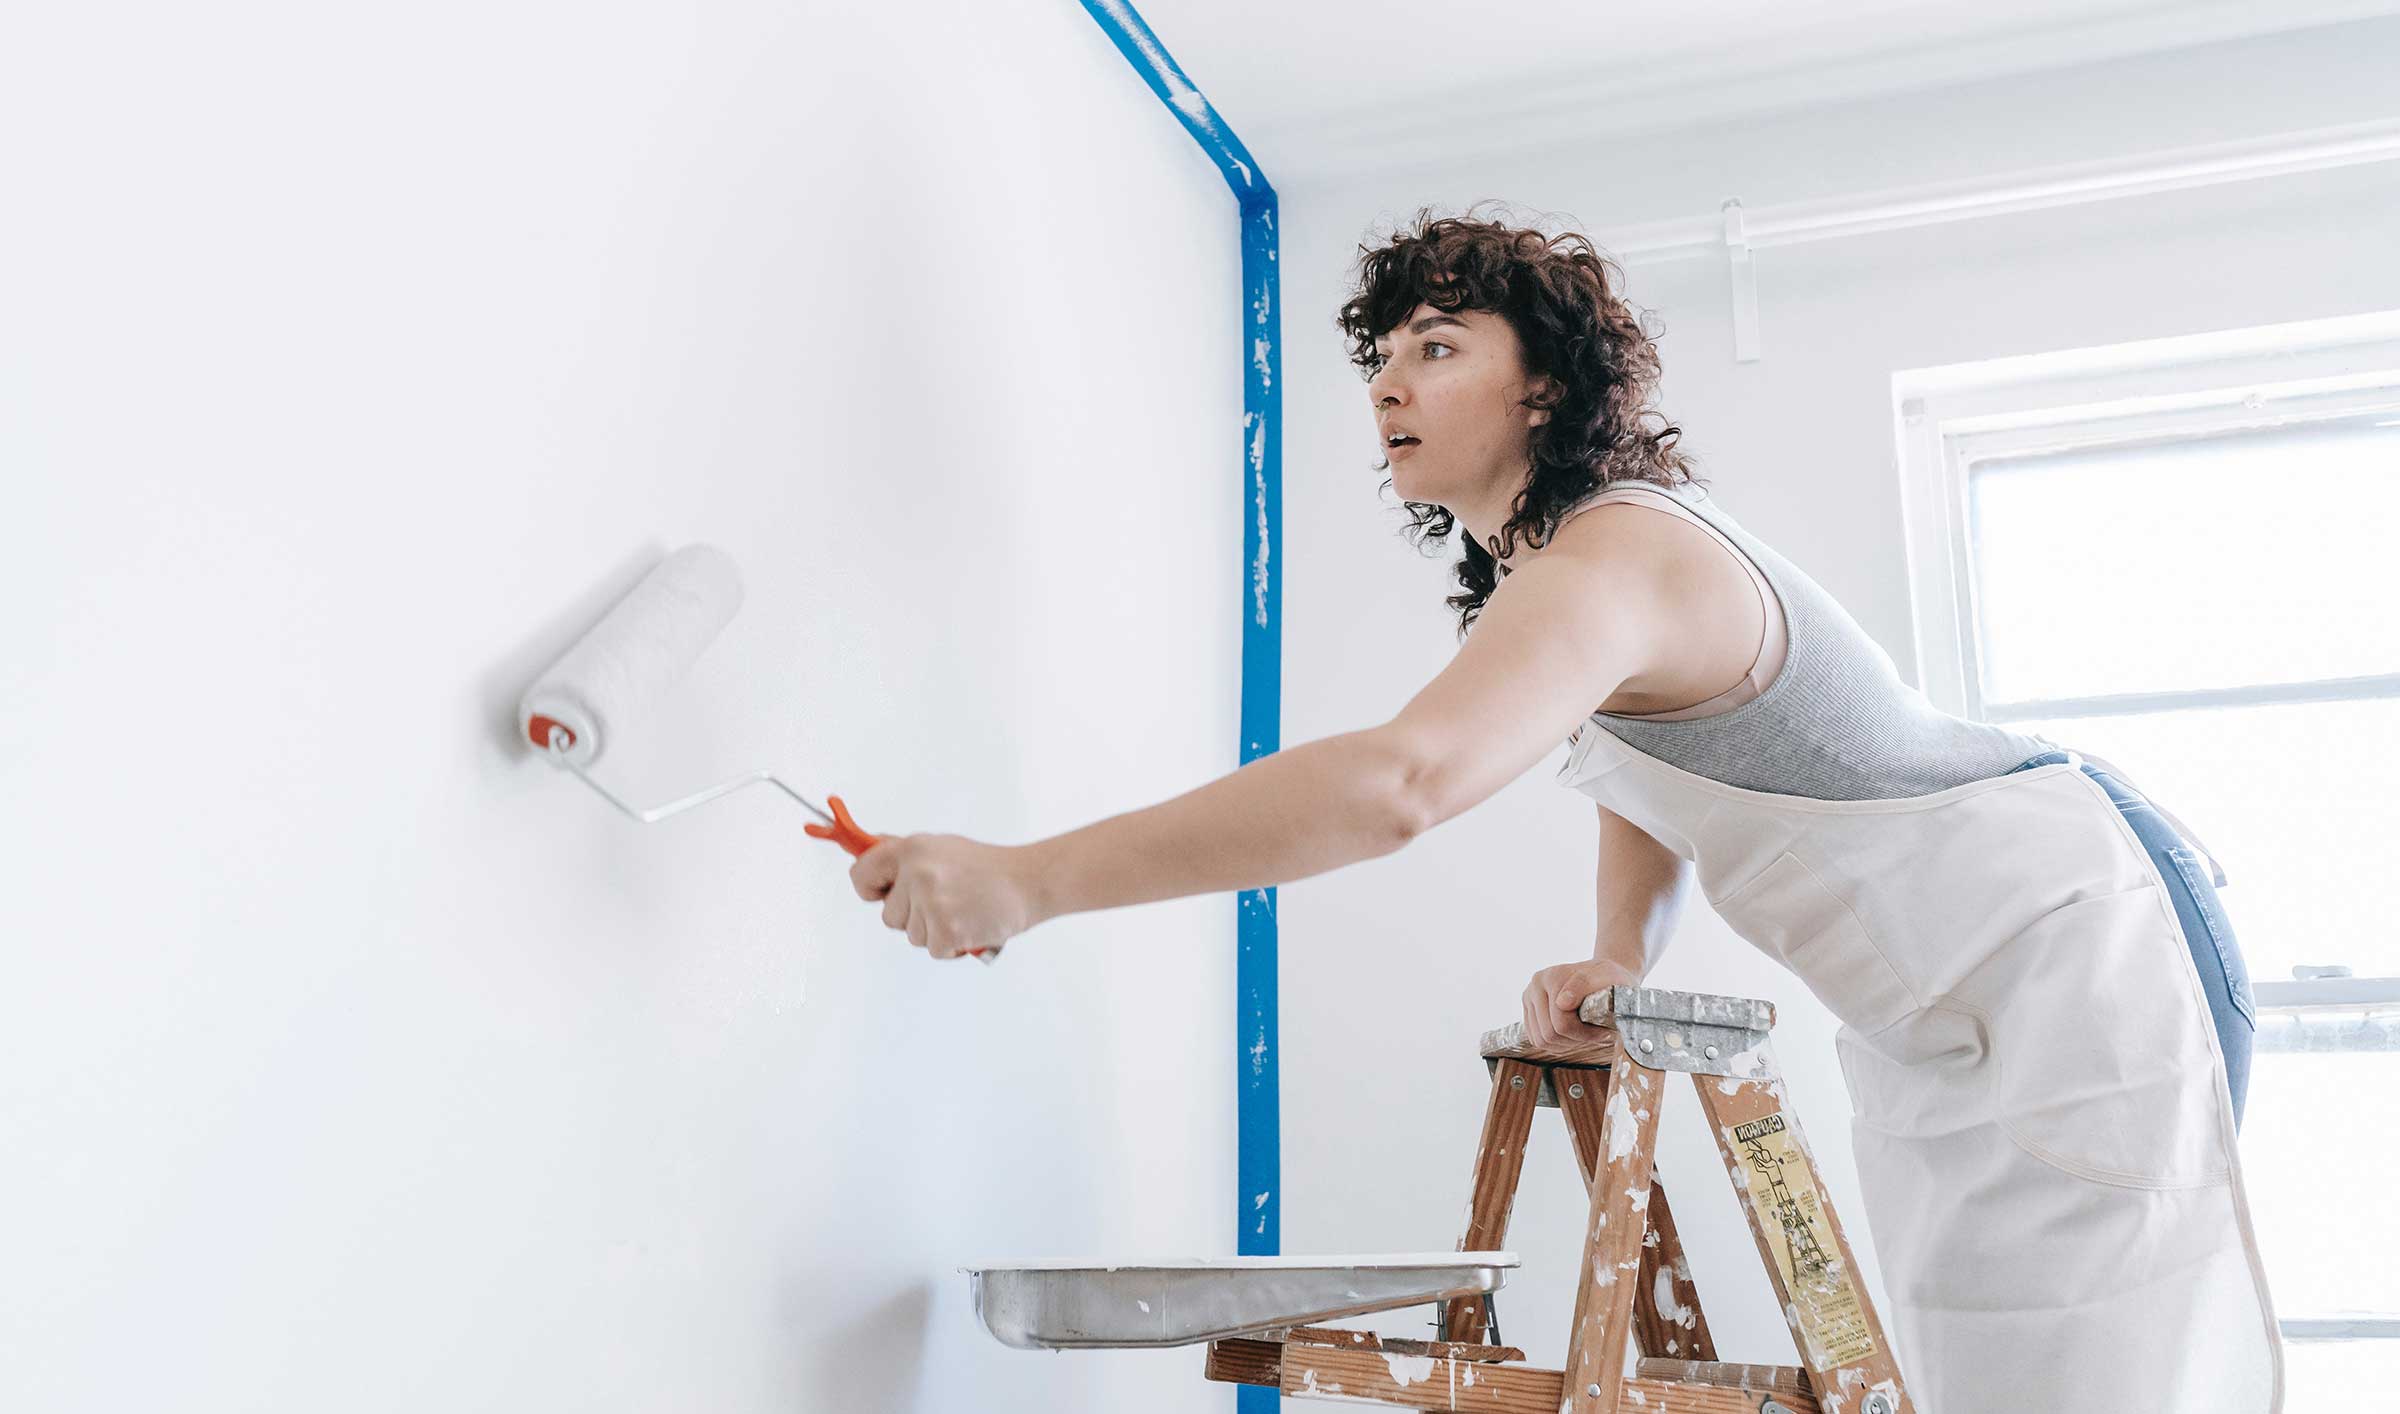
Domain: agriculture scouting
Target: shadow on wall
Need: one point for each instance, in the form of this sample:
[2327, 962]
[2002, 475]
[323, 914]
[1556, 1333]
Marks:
[503, 684]
[877, 1357]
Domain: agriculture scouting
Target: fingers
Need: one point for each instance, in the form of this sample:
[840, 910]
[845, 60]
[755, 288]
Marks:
[1554, 999]
[1539, 1025]
[1563, 1002]
[1575, 986]
[939, 890]
[872, 873]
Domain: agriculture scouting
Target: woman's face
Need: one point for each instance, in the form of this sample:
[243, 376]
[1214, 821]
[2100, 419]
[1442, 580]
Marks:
[1453, 382]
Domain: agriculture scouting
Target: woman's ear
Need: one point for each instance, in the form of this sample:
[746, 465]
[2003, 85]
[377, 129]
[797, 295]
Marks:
[1545, 385]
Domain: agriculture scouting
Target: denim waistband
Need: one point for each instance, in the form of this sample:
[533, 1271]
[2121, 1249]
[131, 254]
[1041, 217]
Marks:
[2119, 792]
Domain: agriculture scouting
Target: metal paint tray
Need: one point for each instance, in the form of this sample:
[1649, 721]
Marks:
[1082, 1305]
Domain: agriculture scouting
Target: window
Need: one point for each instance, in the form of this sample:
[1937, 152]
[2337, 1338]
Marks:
[2183, 556]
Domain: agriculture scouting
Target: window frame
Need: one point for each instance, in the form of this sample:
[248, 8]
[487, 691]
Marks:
[1948, 418]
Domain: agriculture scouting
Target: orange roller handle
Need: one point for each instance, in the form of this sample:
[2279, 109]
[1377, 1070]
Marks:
[845, 832]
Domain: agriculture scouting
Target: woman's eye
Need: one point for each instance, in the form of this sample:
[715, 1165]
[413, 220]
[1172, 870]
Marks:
[1430, 346]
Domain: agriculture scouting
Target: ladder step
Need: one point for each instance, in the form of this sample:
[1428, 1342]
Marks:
[1370, 1340]
[1509, 1042]
[1765, 1379]
[1621, 1004]
[1328, 1372]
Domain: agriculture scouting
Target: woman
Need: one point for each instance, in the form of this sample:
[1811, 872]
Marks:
[2045, 1022]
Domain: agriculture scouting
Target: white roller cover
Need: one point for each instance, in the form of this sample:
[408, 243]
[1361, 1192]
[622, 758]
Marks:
[604, 684]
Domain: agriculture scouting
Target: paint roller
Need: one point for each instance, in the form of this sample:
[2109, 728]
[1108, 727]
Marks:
[613, 674]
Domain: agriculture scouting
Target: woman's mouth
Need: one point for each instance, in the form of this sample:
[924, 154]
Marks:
[1400, 448]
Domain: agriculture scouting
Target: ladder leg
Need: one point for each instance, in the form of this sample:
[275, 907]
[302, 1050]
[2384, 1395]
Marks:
[1499, 1162]
[1666, 1319]
[1799, 1238]
[1581, 1094]
[1612, 1250]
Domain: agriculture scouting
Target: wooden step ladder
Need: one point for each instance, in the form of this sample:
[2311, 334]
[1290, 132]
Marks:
[1636, 1286]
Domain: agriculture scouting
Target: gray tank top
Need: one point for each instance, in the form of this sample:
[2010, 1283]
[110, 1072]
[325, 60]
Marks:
[1836, 722]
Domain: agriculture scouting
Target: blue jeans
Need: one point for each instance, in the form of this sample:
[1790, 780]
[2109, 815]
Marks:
[2206, 929]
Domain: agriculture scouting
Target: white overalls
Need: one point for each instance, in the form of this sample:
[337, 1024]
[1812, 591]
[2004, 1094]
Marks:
[2044, 1137]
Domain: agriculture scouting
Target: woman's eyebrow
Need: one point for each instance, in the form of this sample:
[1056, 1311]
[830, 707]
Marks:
[1432, 319]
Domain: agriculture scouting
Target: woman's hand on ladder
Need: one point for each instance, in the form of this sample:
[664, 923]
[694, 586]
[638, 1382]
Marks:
[1555, 992]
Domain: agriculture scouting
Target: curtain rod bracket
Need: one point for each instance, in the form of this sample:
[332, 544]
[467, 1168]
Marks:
[1742, 267]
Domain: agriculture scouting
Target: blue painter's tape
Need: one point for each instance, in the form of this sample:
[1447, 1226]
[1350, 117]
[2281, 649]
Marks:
[1258, 1164]
[1157, 68]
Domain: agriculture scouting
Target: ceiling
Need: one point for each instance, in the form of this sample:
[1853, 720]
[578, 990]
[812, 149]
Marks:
[1321, 88]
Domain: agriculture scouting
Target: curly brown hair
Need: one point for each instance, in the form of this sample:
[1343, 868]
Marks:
[1575, 327]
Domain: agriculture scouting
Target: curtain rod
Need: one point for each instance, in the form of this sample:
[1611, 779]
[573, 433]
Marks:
[2107, 179]
[1736, 232]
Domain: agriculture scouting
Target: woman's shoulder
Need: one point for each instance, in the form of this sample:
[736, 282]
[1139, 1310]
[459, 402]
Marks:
[1630, 509]
[1676, 500]
[1708, 621]
[1642, 559]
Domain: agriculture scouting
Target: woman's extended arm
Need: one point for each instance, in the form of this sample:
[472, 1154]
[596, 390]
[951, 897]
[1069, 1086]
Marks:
[1559, 635]
[1301, 811]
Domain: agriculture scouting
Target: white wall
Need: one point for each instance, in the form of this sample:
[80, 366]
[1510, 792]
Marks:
[353, 361]
[1393, 968]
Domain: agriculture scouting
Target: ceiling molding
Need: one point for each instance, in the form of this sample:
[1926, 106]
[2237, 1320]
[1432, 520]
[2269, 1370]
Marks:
[1530, 112]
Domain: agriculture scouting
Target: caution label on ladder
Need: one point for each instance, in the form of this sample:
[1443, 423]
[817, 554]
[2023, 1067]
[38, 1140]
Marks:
[1783, 1192]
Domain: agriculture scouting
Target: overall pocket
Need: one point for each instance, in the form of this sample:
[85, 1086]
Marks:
[2101, 1049]
[1786, 912]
